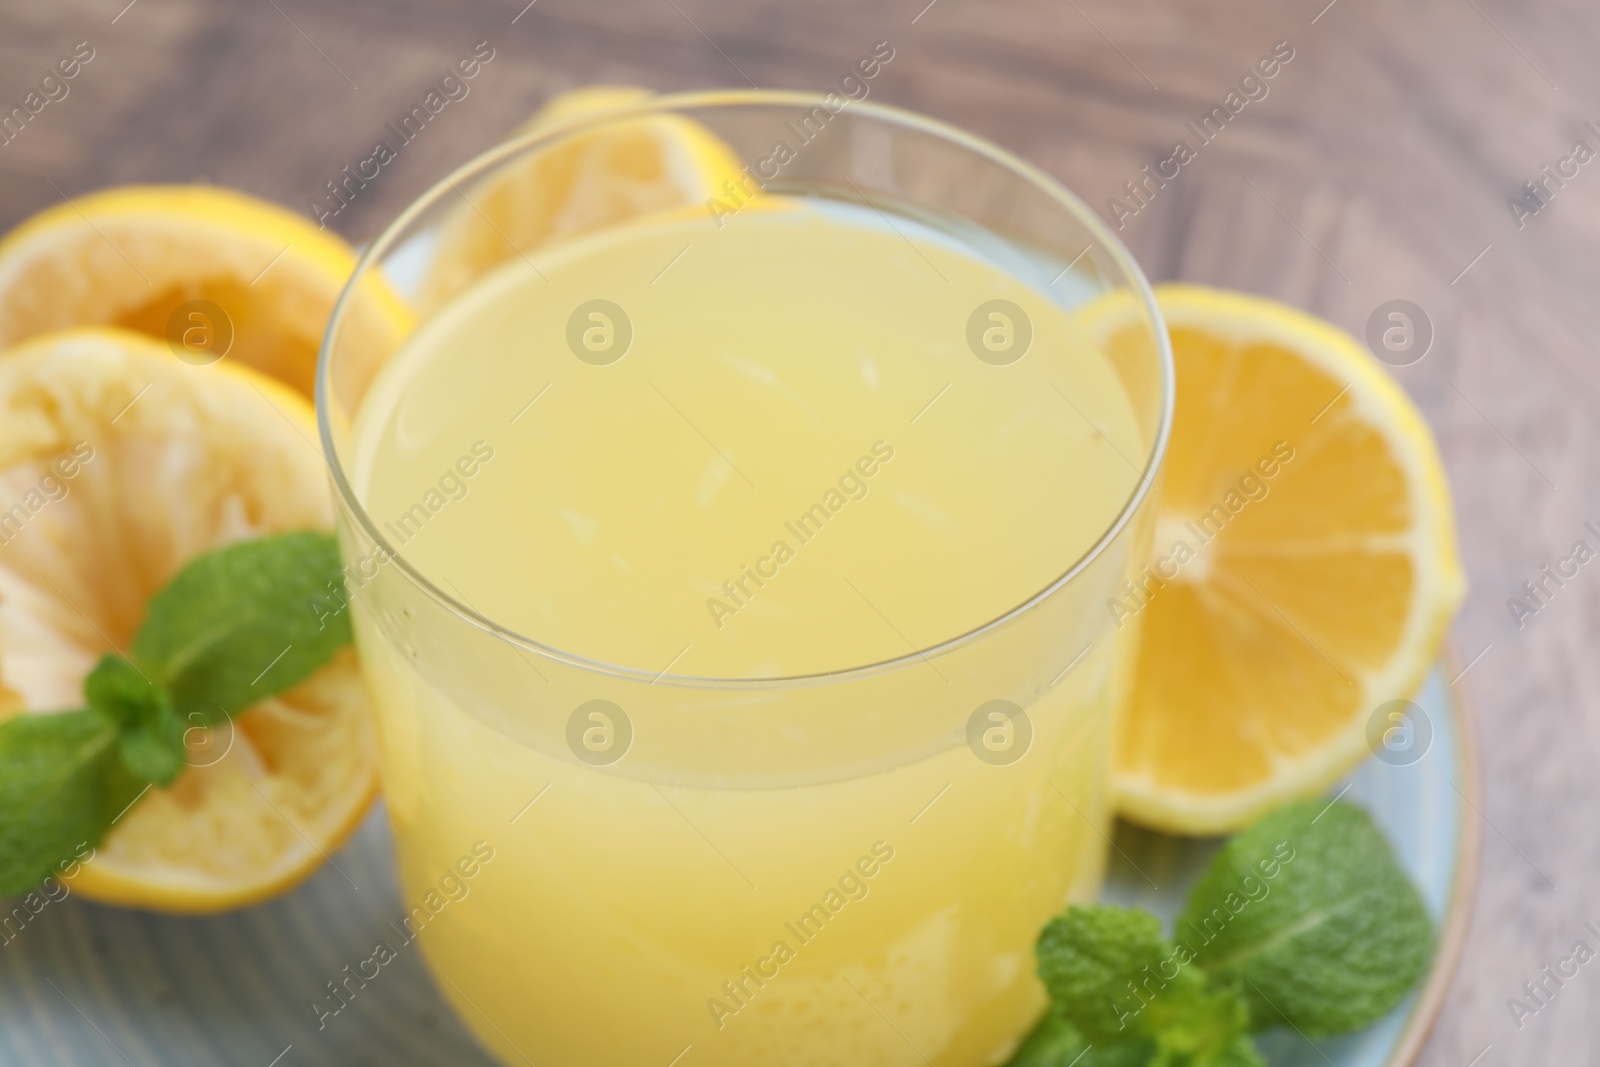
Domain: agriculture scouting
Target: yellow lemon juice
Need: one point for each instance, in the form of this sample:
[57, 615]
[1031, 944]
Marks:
[752, 483]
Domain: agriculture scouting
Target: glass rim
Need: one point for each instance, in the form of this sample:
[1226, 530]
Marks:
[394, 234]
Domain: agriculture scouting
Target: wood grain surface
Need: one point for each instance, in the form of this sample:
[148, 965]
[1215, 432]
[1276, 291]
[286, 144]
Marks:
[1378, 167]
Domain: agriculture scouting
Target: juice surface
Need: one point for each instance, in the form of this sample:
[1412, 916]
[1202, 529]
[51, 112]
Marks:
[799, 463]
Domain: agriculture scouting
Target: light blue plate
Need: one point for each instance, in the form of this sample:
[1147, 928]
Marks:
[86, 985]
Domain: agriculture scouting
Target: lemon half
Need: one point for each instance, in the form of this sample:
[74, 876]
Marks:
[1303, 570]
[216, 274]
[124, 464]
[578, 184]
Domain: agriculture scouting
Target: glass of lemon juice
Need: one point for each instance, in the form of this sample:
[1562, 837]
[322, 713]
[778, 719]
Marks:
[729, 546]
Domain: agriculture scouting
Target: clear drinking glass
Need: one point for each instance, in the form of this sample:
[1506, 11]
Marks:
[843, 860]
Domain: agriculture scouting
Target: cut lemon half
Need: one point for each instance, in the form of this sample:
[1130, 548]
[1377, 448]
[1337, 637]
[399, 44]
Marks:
[213, 273]
[578, 184]
[1303, 566]
[118, 464]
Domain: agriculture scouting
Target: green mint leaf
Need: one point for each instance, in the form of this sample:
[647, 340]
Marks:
[1053, 1043]
[148, 754]
[1133, 994]
[1210, 1027]
[1310, 917]
[1115, 979]
[1057, 1043]
[149, 731]
[60, 788]
[1091, 959]
[1241, 1052]
[241, 623]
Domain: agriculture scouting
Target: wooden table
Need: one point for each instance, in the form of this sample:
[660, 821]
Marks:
[1378, 167]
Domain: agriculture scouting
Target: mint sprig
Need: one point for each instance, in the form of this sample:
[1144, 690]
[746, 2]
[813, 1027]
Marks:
[1120, 982]
[149, 733]
[233, 627]
[1304, 920]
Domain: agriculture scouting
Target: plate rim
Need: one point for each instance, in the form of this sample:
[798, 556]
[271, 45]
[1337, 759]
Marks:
[1463, 890]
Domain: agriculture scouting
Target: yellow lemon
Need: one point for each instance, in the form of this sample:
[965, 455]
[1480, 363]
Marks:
[217, 274]
[577, 184]
[1303, 569]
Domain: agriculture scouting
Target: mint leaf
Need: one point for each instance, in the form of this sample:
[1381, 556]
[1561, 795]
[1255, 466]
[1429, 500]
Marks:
[1308, 914]
[150, 733]
[1057, 1043]
[1213, 1030]
[60, 787]
[1118, 981]
[1090, 960]
[241, 623]
[1053, 1043]
[1240, 1052]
